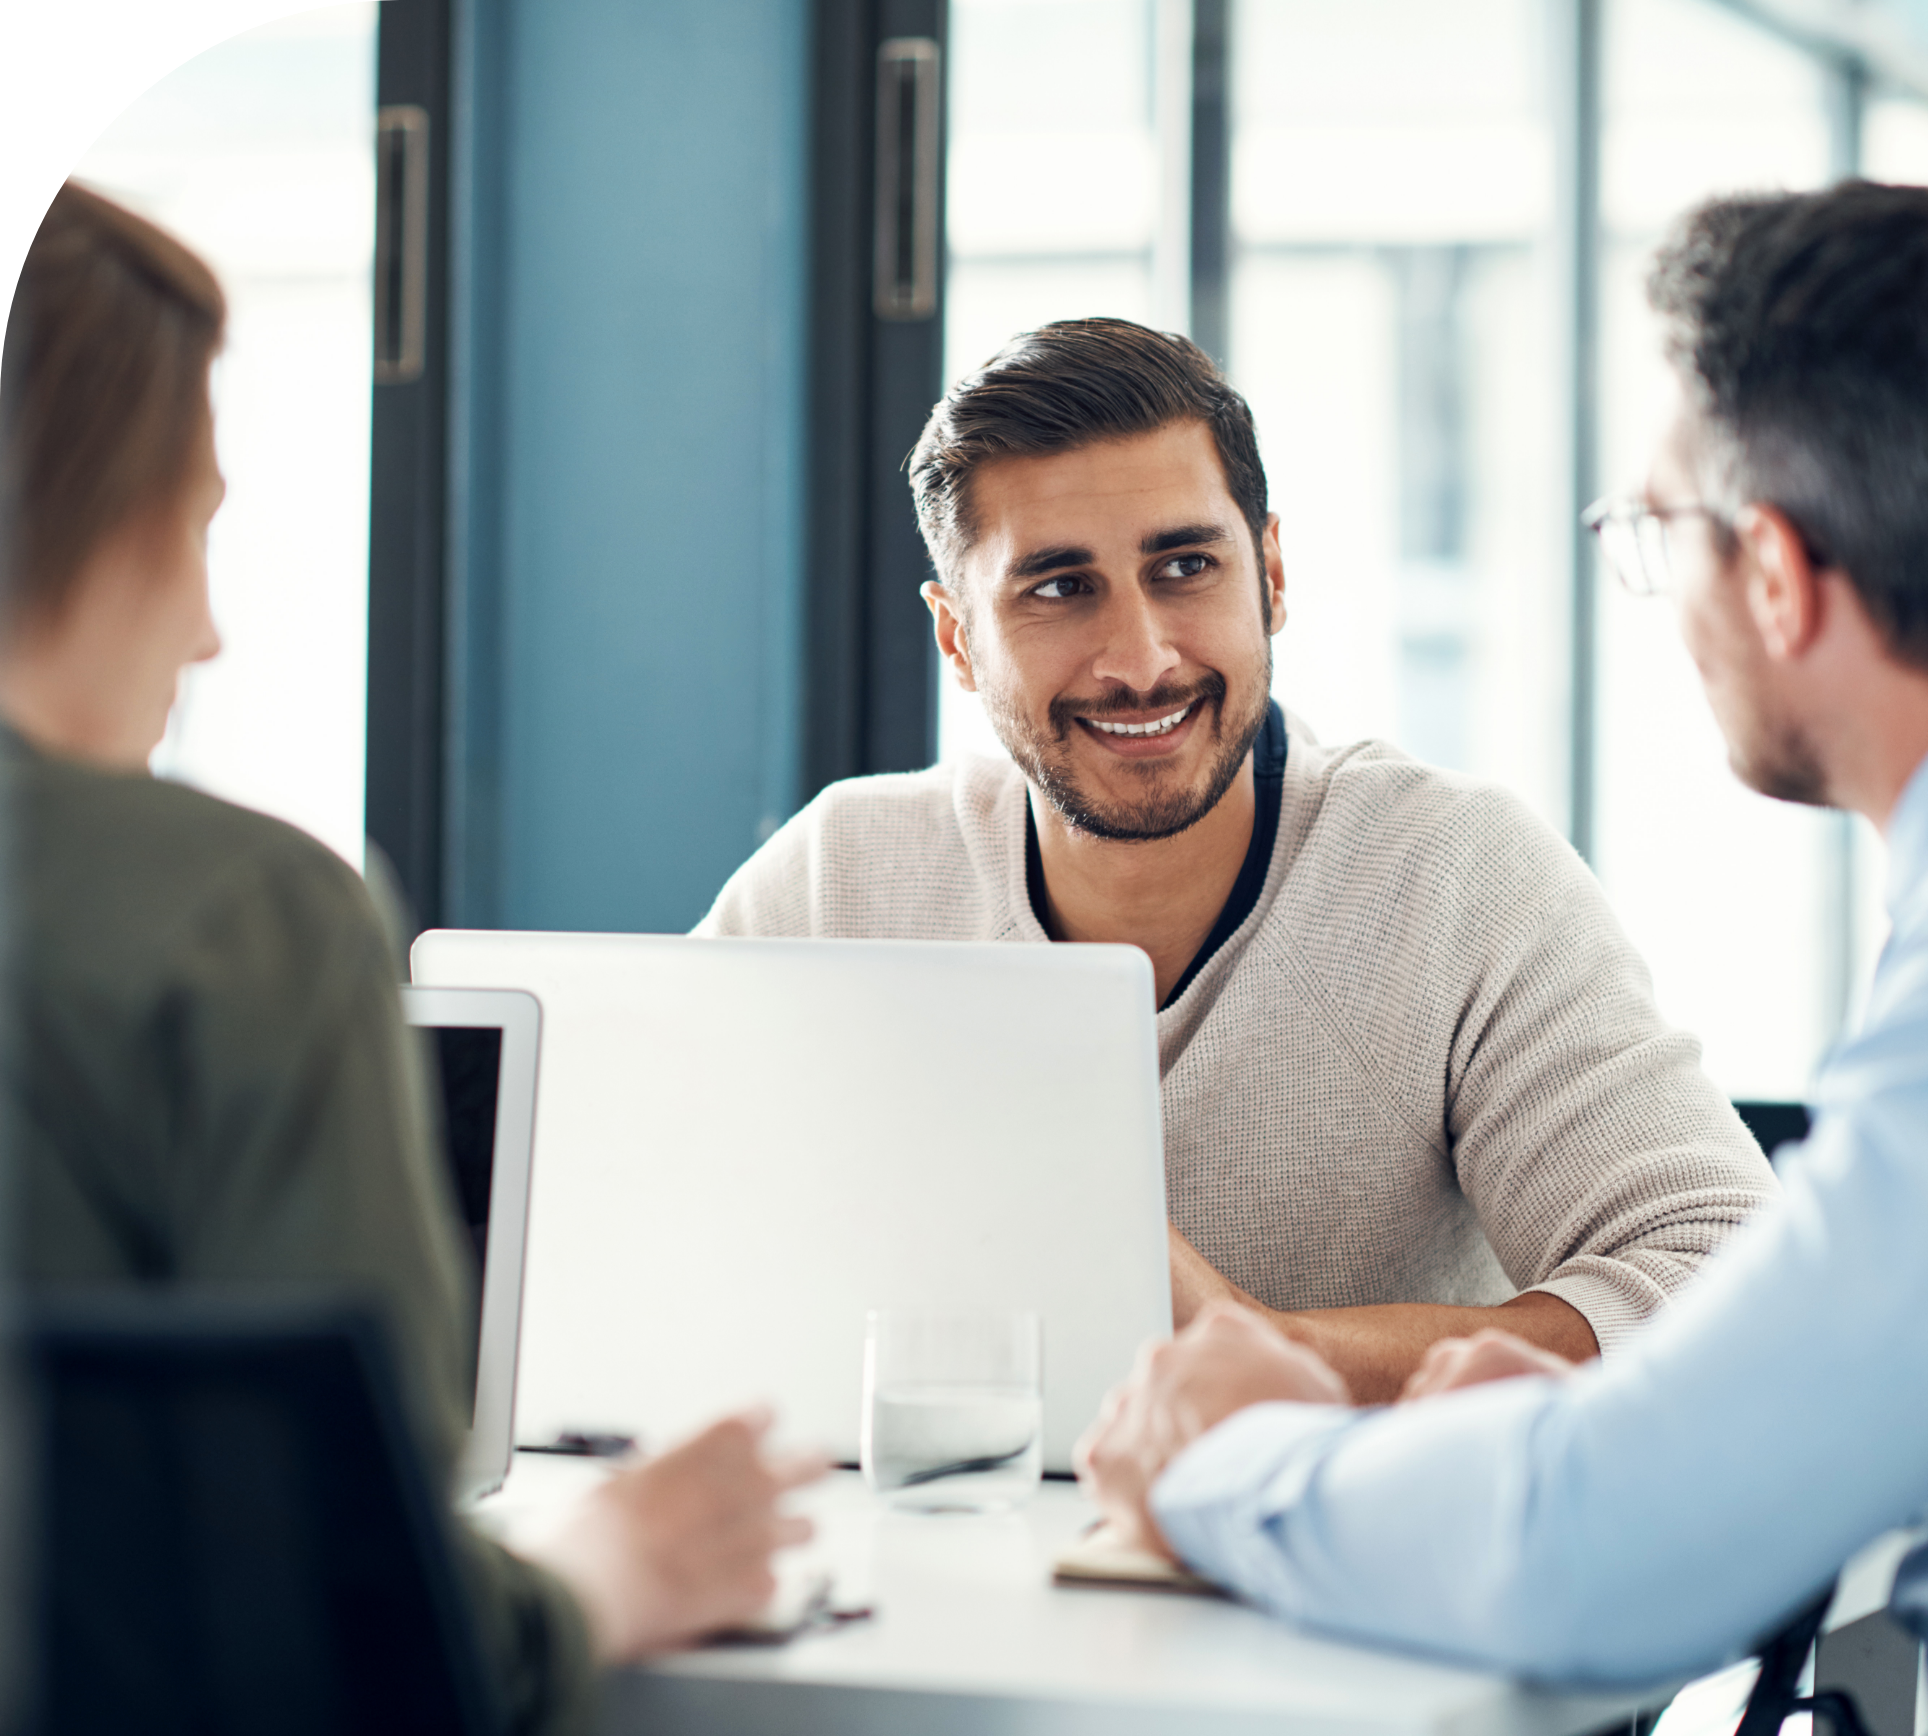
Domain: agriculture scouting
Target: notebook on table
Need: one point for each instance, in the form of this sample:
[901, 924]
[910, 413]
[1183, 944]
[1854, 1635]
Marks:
[1100, 1557]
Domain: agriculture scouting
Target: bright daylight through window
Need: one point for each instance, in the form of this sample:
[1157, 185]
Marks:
[260, 155]
[1402, 314]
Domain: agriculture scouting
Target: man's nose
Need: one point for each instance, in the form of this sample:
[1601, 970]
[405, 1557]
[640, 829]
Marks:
[1137, 652]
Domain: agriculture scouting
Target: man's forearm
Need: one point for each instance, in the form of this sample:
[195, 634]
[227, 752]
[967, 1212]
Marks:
[1377, 1348]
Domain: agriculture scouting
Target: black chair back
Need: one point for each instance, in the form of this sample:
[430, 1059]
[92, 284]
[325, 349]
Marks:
[1774, 1125]
[234, 1530]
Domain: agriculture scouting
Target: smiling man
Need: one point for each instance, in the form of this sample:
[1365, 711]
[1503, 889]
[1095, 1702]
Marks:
[1414, 1082]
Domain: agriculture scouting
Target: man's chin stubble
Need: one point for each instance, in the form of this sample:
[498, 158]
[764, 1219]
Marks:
[1792, 775]
[1145, 822]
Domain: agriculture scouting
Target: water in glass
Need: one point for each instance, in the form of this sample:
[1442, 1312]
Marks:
[953, 1411]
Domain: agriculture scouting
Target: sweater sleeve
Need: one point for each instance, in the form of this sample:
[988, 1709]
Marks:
[1603, 1163]
[776, 893]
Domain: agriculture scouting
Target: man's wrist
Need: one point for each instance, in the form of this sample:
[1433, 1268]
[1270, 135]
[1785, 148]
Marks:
[1211, 1487]
[1302, 1328]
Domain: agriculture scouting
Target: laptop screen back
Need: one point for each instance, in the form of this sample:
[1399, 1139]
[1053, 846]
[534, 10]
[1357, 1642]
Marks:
[778, 1127]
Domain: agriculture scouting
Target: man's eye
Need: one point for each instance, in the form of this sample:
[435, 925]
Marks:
[1184, 566]
[1054, 590]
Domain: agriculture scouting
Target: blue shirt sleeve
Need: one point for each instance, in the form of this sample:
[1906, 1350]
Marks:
[1652, 1517]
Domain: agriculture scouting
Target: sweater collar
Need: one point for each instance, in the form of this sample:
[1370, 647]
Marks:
[1268, 771]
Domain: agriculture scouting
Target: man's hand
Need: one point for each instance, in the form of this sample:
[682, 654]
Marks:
[678, 1546]
[1226, 1359]
[1489, 1355]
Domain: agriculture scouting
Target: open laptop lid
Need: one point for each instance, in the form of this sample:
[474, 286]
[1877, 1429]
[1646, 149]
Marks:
[485, 1043]
[746, 1144]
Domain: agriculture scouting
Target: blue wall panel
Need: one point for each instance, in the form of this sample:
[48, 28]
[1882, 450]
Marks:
[627, 687]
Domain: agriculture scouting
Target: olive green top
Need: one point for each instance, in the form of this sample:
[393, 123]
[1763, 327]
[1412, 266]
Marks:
[214, 1085]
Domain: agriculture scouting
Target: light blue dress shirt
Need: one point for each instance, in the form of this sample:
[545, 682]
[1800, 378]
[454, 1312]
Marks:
[1656, 1515]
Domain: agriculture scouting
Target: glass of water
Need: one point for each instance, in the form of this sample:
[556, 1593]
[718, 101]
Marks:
[953, 1408]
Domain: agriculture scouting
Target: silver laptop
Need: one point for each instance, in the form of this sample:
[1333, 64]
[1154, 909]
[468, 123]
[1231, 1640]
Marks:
[484, 1044]
[743, 1145]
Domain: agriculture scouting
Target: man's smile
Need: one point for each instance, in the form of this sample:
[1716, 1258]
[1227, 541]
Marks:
[1145, 734]
[1157, 726]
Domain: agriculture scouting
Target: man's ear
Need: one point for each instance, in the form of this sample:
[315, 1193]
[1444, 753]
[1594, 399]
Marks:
[947, 622]
[1274, 577]
[1784, 595]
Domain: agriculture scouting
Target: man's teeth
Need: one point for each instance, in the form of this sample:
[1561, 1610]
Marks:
[1158, 728]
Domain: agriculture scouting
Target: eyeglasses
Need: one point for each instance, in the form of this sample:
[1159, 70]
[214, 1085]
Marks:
[1634, 539]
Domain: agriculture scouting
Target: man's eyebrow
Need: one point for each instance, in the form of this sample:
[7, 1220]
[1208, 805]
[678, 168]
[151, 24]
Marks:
[1048, 561]
[1183, 536]
[1055, 559]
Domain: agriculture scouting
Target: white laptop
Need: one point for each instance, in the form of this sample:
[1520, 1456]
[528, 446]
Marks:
[743, 1145]
[484, 1044]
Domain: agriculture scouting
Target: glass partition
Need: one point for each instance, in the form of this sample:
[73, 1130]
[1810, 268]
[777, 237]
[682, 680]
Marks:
[1737, 903]
[1894, 138]
[259, 154]
[1393, 327]
[1053, 194]
[1399, 321]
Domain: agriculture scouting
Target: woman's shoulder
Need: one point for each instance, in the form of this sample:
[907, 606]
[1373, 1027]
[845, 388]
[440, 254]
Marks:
[127, 866]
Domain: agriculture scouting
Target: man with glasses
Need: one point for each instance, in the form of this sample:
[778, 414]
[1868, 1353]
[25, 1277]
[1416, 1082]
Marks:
[1658, 1514]
[1635, 538]
[1414, 1081]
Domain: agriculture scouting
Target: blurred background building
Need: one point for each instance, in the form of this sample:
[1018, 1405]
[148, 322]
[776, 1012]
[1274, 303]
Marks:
[643, 576]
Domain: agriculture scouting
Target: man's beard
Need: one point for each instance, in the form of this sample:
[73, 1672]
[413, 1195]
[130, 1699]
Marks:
[1779, 761]
[1043, 756]
[1768, 751]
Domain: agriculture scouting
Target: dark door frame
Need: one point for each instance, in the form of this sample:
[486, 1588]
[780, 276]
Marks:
[870, 694]
[408, 476]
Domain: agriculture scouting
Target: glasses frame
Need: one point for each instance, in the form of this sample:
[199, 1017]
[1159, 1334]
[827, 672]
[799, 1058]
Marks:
[1634, 541]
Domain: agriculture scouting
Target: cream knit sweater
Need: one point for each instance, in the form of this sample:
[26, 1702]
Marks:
[1426, 1068]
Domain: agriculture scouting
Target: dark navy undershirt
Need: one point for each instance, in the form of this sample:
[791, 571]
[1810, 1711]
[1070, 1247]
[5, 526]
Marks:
[1268, 785]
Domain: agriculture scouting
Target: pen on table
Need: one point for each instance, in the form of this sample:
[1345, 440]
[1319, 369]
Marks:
[572, 1445]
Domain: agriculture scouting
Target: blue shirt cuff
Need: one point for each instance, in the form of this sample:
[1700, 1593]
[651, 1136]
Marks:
[1214, 1501]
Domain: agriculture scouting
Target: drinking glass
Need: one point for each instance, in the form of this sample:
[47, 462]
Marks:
[953, 1409]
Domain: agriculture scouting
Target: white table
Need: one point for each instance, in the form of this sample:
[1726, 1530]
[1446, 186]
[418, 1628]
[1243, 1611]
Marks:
[970, 1636]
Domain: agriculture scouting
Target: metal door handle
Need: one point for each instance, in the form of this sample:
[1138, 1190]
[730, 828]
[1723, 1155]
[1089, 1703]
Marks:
[401, 243]
[908, 166]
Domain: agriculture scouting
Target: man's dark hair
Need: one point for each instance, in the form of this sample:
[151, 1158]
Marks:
[1799, 325]
[1066, 385]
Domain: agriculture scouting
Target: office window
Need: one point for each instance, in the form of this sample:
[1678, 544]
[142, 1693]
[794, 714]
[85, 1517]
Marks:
[1400, 317]
[1058, 206]
[259, 154]
[1392, 326]
[1053, 178]
[1894, 139]
[1741, 906]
